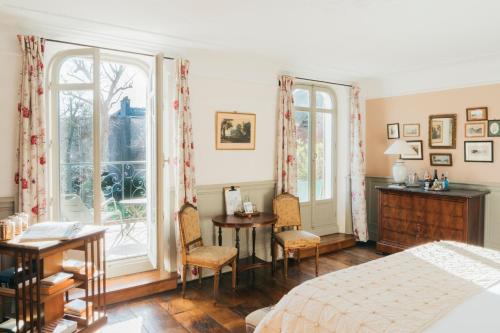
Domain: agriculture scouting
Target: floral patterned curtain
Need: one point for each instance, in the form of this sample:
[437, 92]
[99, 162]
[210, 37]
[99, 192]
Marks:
[30, 176]
[185, 190]
[358, 196]
[286, 164]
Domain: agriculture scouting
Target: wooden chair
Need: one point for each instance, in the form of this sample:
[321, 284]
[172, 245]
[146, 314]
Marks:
[196, 254]
[288, 229]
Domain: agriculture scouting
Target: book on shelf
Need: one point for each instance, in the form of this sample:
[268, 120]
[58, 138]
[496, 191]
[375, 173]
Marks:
[51, 289]
[9, 325]
[56, 278]
[76, 266]
[77, 307]
[65, 326]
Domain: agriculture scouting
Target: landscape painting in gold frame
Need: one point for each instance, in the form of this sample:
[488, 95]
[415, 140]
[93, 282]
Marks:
[235, 131]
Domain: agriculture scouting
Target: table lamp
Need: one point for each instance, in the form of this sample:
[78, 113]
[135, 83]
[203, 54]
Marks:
[399, 171]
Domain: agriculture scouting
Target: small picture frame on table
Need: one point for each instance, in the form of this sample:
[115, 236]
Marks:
[477, 113]
[393, 131]
[248, 207]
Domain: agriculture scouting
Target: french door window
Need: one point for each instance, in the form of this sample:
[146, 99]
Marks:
[103, 150]
[315, 116]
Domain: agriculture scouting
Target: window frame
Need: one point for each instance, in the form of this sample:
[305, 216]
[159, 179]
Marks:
[127, 265]
[313, 110]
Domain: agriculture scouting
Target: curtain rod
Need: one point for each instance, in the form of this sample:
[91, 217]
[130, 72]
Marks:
[334, 83]
[104, 48]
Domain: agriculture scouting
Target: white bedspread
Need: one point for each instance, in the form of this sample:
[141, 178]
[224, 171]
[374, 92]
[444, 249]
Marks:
[417, 290]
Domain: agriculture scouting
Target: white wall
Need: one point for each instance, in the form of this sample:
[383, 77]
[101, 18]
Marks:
[227, 82]
[10, 63]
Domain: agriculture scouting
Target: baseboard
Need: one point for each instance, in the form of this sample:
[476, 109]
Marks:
[331, 243]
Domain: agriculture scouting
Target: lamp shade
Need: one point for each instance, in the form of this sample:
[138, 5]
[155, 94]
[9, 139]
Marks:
[400, 147]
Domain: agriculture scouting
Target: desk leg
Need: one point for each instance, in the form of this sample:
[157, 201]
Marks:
[220, 236]
[238, 252]
[273, 264]
[253, 254]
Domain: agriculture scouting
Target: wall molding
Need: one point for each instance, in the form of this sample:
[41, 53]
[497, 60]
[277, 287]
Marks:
[492, 207]
[7, 206]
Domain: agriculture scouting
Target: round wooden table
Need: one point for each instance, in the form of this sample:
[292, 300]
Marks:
[238, 222]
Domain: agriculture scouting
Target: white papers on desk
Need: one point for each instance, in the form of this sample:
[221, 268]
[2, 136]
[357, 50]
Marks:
[50, 231]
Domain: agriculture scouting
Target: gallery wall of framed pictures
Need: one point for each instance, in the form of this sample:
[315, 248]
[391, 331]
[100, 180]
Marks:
[478, 137]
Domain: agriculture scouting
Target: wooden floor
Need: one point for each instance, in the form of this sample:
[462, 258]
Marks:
[168, 312]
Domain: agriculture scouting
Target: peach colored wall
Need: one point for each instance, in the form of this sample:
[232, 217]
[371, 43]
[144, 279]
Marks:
[416, 109]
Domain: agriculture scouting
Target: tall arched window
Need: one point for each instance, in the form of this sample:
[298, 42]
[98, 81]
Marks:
[103, 149]
[315, 118]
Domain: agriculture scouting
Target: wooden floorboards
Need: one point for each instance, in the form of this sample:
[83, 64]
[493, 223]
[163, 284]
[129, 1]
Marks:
[169, 312]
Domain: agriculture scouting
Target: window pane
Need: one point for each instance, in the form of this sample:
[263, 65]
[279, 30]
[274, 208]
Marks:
[323, 156]
[301, 98]
[76, 155]
[323, 100]
[302, 124]
[124, 151]
[76, 70]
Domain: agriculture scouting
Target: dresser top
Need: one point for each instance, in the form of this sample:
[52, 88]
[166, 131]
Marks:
[454, 192]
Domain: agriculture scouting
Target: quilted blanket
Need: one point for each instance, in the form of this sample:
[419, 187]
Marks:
[403, 292]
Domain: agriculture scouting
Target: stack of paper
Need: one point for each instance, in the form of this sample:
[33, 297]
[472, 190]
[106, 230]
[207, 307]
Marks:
[77, 308]
[10, 325]
[76, 266]
[56, 278]
[66, 326]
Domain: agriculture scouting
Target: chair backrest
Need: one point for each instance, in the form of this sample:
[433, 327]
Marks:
[287, 208]
[189, 227]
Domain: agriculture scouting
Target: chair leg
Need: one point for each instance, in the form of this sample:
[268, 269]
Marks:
[235, 271]
[285, 262]
[275, 245]
[200, 274]
[184, 276]
[317, 259]
[216, 285]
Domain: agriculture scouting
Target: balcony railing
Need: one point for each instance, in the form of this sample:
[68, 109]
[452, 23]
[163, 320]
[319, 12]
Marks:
[119, 179]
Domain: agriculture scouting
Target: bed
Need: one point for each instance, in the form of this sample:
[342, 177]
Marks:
[434, 288]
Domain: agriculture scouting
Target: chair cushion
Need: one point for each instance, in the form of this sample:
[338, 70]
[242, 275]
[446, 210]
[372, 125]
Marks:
[211, 255]
[254, 318]
[297, 239]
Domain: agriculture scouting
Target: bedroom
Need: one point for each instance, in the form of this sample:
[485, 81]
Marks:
[204, 104]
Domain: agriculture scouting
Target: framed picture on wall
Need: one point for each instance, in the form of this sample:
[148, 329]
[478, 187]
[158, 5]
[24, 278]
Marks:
[417, 146]
[393, 131]
[442, 131]
[441, 159]
[477, 114]
[493, 128]
[475, 130]
[478, 151]
[411, 130]
[235, 131]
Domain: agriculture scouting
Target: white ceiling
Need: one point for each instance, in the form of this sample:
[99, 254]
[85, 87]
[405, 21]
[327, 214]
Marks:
[362, 38]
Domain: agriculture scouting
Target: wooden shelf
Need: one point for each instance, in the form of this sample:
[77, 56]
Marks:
[100, 318]
[48, 257]
[9, 292]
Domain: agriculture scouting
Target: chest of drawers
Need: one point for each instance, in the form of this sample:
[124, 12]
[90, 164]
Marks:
[409, 217]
